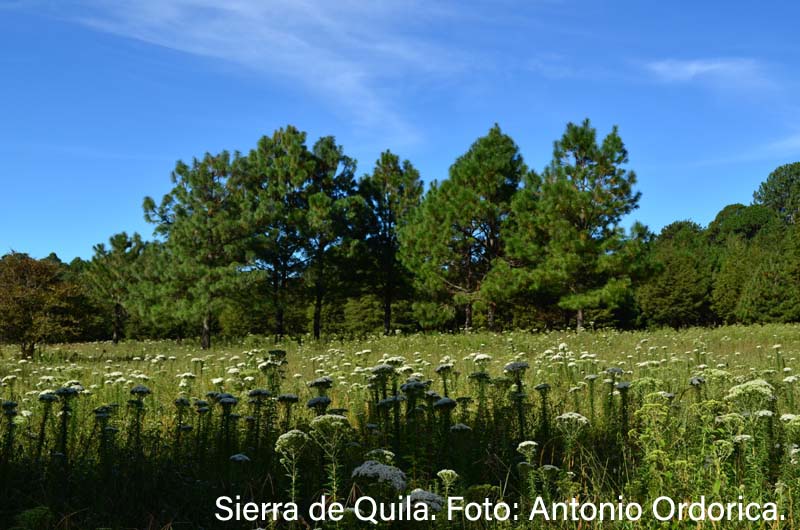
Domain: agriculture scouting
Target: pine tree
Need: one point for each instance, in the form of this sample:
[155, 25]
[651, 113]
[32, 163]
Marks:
[454, 237]
[582, 197]
[391, 192]
[781, 192]
[330, 209]
[201, 221]
[110, 275]
[274, 207]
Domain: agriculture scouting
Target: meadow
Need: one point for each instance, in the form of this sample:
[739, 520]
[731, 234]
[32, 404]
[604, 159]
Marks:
[149, 434]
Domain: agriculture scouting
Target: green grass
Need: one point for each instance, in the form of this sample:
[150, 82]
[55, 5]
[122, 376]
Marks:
[125, 460]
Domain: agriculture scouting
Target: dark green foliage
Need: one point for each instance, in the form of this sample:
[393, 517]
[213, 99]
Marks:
[391, 192]
[110, 275]
[453, 239]
[273, 189]
[769, 295]
[284, 241]
[736, 263]
[738, 220]
[331, 209]
[201, 221]
[781, 192]
[678, 293]
[574, 225]
[771, 290]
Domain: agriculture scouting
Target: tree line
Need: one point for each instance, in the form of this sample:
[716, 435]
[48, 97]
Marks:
[287, 241]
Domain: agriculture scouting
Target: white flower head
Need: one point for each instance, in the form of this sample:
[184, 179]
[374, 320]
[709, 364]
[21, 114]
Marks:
[382, 473]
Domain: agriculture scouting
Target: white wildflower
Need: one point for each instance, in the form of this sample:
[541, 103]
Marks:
[383, 473]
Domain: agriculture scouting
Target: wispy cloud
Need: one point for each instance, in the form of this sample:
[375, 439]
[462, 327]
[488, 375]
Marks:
[741, 72]
[348, 52]
[780, 150]
[786, 146]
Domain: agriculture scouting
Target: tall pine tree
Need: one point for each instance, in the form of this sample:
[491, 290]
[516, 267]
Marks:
[330, 209]
[392, 191]
[454, 238]
[273, 188]
[201, 221]
[582, 196]
[110, 275]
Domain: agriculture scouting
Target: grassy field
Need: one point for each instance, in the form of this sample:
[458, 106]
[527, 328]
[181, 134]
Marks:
[149, 434]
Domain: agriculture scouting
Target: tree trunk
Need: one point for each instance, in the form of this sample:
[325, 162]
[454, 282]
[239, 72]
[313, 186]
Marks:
[387, 317]
[278, 289]
[490, 315]
[117, 332]
[205, 338]
[28, 350]
[279, 331]
[579, 318]
[468, 316]
[317, 310]
[387, 311]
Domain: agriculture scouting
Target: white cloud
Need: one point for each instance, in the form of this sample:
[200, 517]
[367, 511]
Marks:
[786, 146]
[742, 71]
[348, 52]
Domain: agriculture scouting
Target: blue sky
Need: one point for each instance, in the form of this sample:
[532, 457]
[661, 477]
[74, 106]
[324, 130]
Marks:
[99, 98]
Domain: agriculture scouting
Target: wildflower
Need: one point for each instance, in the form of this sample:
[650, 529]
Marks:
[516, 367]
[291, 441]
[482, 358]
[433, 501]
[319, 401]
[382, 473]
[329, 422]
[527, 449]
[414, 386]
[227, 400]
[696, 381]
[67, 392]
[396, 360]
[573, 419]
[448, 476]
[382, 370]
[734, 419]
[382, 455]
[140, 391]
[756, 388]
[47, 397]
[480, 377]
[445, 403]
[324, 382]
